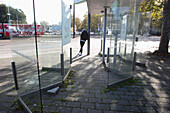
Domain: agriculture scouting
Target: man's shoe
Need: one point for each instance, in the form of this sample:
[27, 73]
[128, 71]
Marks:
[79, 54]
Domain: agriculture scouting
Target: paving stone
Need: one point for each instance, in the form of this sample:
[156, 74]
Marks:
[125, 112]
[88, 95]
[109, 101]
[70, 98]
[64, 110]
[123, 102]
[78, 110]
[102, 106]
[117, 107]
[101, 96]
[83, 91]
[150, 104]
[147, 109]
[139, 98]
[110, 112]
[113, 96]
[161, 110]
[137, 103]
[59, 103]
[135, 89]
[95, 91]
[166, 105]
[123, 89]
[73, 104]
[132, 108]
[130, 93]
[76, 94]
[95, 100]
[118, 92]
[94, 111]
[49, 108]
[82, 99]
[126, 97]
[88, 105]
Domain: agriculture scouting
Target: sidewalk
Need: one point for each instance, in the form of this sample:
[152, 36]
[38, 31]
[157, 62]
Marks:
[151, 94]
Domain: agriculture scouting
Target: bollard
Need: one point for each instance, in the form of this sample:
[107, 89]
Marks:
[62, 66]
[14, 74]
[108, 53]
[119, 46]
[125, 50]
[70, 55]
[134, 62]
[101, 45]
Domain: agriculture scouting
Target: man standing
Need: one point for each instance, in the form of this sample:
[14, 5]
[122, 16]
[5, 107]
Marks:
[83, 37]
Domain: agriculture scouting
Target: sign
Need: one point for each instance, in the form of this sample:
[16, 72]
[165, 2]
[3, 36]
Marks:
[79, 1]
[66, 24]
[123, 27]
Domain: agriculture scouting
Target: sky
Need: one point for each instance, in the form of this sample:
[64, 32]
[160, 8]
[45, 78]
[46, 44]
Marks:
[46, 10]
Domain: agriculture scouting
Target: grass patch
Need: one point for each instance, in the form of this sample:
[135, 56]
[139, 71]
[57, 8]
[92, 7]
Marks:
[129, 82]
[62, 99]
[68, 81]
[100, 55]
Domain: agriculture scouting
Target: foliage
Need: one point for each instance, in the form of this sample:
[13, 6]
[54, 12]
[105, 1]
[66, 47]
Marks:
[95, 20]
[156, 9]
[16, 14]
[77, 22]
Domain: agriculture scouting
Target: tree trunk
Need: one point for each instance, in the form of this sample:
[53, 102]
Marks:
[164, 42]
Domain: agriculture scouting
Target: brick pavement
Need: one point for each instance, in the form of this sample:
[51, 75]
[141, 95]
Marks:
[150, 94]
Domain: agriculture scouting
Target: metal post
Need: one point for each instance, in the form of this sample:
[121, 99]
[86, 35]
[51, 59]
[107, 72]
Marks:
[125, 50]
[119, 46]
[116, 34]
[17, 20]
[134, 62]
[73, 20]
[37, 56]
[88, 46]
[104, 38]
[70, 55]
[14, 74]
[101, 45]
[108, 53]
[62, 66]
[3, 33]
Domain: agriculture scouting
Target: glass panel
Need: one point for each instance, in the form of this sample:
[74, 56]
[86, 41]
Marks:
[48, 20]
[66, 36]
[124, 28]
[24, 52]
[144, 31]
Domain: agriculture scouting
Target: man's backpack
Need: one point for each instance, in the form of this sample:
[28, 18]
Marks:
[84, 36]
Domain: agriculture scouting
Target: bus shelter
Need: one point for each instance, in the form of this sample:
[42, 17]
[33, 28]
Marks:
[41, 55]
[120, 27]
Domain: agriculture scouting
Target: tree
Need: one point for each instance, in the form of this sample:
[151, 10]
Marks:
[77, 22]
[160, 11]
[85, 22]
[95, 20]
[164, 42]
[16, 15]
